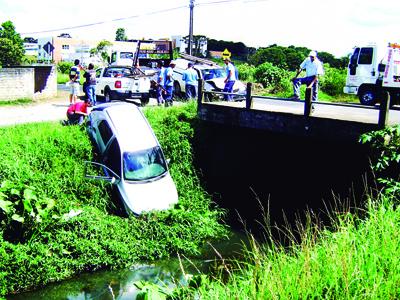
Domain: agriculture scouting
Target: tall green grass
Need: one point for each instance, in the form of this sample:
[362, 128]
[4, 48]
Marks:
[42, 165]
[356, 259]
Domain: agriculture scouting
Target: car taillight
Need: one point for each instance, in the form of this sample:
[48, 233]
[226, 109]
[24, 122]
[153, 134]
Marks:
[118, 84]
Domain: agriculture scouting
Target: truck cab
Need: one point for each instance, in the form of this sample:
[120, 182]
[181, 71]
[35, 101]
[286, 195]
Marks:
[367, 68]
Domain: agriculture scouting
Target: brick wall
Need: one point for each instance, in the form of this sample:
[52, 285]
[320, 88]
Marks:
[34, 82]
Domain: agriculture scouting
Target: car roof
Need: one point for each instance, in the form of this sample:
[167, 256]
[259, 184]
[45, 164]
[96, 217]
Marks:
[131, 128]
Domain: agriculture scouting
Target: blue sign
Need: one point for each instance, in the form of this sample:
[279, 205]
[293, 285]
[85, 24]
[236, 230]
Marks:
[48, 47]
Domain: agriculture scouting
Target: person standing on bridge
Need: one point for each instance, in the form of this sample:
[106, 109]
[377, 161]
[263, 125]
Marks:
[229, 80]
[314, 68]
[190, 77]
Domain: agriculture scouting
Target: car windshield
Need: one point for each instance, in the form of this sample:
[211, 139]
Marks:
[213, 73]
[144, 164]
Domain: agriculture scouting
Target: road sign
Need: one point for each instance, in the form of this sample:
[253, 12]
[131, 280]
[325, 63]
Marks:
[48, 47]
[226, 54]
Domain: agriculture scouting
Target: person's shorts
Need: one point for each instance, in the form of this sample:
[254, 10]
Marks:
[74, 88]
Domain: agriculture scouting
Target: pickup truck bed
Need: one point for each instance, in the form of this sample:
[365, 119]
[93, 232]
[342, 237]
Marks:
[121, 83]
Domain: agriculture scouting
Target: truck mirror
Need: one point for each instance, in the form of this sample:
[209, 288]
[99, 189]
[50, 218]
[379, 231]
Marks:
[381, 67]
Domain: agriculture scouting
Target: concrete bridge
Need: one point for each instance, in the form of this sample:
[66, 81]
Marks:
[324, 120]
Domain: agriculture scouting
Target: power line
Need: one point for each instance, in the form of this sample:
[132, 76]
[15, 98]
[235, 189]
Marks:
[141, 15]
[104, 22]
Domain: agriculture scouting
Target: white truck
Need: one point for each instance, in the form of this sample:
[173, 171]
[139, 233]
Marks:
[371, 71]
[121, 83]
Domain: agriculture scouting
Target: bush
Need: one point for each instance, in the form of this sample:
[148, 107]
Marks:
[333, 81]
[271, 77]
[246, 72]
[64, 67]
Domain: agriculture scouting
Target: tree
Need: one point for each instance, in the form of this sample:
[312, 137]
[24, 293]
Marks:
[120, 35]
[198, 42]
[11, 45]
[101, 50]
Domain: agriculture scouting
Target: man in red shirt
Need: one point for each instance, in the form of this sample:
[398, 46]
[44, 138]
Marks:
[76, 113]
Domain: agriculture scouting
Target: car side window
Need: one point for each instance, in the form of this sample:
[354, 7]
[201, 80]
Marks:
[112, 157]
[105, 131]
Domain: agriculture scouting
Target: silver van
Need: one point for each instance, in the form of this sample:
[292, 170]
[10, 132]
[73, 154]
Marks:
[131, 157]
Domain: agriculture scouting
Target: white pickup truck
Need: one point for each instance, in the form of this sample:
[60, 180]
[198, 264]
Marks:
[121, 83]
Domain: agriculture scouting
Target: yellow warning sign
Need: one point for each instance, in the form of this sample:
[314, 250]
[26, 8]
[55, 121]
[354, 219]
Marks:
[226, 54]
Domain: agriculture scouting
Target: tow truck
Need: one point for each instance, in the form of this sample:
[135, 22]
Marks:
[370, 74]
[131, 76]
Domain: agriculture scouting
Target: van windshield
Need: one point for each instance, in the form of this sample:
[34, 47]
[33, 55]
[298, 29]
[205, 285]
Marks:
[144, 164]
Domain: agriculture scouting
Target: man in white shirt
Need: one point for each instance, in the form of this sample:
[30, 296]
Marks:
[314, 68]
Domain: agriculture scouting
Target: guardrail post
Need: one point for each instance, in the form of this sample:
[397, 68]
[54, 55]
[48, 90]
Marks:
[199, 93]
[249, 103]
[384, 110]
[307, 103]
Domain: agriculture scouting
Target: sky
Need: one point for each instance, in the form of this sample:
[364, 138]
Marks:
[334, 26]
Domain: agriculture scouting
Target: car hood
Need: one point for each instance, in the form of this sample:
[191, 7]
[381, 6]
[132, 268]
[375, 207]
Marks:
[219, 84]
[144, 196]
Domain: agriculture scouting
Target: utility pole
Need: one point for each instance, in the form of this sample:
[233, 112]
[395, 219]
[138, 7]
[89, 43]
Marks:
[190, 44]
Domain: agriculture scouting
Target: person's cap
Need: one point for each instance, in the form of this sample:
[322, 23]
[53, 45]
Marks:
[172, 62]
[313, 53]
[190, 64]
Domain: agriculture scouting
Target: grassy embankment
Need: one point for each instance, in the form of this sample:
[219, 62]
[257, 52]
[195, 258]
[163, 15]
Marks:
[55, 223]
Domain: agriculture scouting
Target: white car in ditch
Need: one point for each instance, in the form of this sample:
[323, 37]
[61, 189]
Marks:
[131, 157]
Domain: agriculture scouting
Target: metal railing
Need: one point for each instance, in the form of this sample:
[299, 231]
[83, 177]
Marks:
[383, 107]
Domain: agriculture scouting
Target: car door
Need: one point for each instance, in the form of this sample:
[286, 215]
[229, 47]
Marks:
[112, 157]
[103, 135]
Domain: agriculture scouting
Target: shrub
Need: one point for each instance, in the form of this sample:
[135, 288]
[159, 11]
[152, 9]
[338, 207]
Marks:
[271, 77]
[64, 67]
[333, 81]
[246, 72]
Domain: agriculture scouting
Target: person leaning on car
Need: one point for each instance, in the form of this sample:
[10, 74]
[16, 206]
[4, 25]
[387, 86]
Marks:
[190, 78]
[77, 112]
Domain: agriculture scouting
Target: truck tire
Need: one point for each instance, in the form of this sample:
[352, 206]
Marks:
[177, 90]
[144, 100]
[107, 96]
[368, 95]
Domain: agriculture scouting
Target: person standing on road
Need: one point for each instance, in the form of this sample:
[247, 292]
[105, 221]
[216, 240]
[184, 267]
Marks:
[229, 80]
[74, 76]
[90, 76]
[314, 68]
[160, 83]
[169, 83]
[190, 77]
[76, 113]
